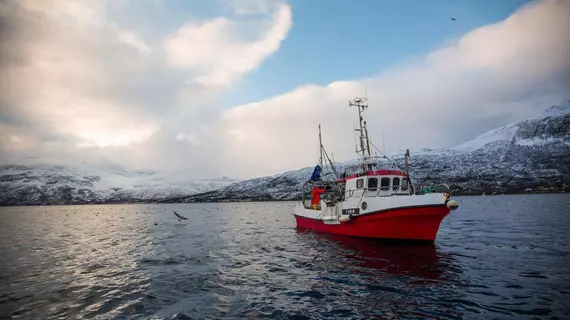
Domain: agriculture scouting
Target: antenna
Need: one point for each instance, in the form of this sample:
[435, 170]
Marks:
[383, 144]
[367, 139]
[320, 147]
[360, 103]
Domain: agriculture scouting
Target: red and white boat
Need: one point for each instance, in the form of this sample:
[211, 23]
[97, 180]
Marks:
[371, 201]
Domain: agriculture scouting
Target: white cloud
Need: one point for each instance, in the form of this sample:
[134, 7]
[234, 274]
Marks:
[79, 81]
[134, 40]
[216, 52]
[154, 102]
[491, 76]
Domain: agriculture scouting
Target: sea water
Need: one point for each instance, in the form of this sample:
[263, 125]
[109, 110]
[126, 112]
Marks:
[496, 257]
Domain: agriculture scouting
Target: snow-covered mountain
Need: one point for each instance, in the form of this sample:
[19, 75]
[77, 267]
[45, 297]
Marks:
[550, 127]
[533, 154]
[50, 184]
[530, 154]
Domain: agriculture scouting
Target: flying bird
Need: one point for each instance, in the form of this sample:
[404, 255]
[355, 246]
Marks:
[179, 217]
[452, 19]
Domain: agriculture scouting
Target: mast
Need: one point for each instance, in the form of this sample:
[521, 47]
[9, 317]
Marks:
[406, 155]
[364, 151]
[320, 147]
[407, 167]
[361, 104]
[324, 152]
[367, 139]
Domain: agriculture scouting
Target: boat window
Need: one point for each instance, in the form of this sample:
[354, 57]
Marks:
[385, 184]
[404, 186]
[395, 184]
[372, 184]
[359, 183]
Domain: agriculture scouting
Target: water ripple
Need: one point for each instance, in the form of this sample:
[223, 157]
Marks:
[497, 257]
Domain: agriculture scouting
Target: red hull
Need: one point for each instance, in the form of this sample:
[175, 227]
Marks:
[407, 224]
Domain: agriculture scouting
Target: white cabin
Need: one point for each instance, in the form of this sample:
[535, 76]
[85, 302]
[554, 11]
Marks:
[379, 183]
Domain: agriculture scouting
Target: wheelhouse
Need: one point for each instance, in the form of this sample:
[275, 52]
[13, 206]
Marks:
[379, 183]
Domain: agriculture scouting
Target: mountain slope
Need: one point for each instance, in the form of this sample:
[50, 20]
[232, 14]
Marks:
[22, 185]
[534, 153]
[551, 127]
[530, 154]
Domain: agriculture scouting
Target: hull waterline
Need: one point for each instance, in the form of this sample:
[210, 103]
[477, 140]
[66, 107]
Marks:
[420, 223]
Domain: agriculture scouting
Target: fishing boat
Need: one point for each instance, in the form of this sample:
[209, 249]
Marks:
[374, 198]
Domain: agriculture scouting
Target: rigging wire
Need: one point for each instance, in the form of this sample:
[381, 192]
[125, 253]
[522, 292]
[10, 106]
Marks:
[388, 159]
[322, 151]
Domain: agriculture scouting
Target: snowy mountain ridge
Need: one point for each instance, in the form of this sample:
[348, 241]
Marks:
[529, 154]
[53, 184]
[557, 109]
[532, 154]
[519, 134]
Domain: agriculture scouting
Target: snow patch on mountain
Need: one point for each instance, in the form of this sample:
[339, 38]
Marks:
[541, 142]
[505, 133]
[51, 184]
[558, 109]
[551, 127]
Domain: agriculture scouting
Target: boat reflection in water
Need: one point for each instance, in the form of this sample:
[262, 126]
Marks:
[411, 259]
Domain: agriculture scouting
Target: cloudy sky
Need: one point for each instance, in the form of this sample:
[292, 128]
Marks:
[238, 87]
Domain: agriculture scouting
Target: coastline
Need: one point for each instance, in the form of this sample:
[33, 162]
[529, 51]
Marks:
[257, 199]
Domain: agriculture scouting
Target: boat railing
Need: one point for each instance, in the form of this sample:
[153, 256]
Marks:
[332, 195]
[443, 188]
[396, 190]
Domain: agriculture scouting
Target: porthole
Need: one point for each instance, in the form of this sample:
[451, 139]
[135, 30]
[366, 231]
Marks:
[364, 205]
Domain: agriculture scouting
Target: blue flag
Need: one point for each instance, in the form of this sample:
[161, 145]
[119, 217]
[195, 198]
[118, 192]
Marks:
[316, 174]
